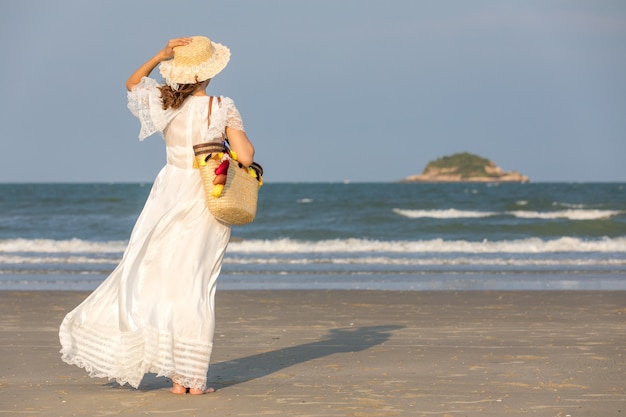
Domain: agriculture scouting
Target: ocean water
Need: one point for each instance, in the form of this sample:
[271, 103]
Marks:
[388, 236]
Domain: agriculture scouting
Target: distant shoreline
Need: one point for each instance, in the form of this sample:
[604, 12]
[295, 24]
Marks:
[465, 167]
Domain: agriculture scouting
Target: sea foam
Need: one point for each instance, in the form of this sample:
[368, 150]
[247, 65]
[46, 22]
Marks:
[522, 214]
[530, 245]
[60, 246]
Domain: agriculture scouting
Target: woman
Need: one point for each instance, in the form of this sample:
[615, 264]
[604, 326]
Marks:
[155, 312]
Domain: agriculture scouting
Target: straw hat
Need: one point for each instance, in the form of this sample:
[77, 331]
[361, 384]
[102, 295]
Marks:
[197, 61]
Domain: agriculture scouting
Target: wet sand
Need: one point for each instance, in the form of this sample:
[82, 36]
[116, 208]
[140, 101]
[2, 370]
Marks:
[349, 353]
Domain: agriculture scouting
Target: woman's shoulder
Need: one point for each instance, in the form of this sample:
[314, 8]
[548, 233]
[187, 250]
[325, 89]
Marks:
[226, 99]
[227, 102]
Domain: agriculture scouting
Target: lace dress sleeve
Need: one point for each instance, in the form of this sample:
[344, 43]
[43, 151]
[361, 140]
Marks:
[233, 118]
[144, 102]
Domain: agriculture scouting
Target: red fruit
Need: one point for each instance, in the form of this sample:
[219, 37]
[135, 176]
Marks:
[222, 169]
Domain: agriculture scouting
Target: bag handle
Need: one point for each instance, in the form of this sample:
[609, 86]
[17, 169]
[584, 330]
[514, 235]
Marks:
[210, 107]
[219, 102]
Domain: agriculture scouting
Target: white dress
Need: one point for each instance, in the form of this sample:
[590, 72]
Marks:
[155, 313]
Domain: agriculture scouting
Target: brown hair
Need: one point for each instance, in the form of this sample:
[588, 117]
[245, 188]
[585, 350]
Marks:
[176, 98]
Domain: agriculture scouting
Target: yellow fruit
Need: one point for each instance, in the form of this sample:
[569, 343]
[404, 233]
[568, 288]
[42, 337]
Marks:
[217, 190]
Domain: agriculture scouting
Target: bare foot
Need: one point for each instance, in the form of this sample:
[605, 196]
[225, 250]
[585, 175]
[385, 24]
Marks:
[178, 389]
[195, 391]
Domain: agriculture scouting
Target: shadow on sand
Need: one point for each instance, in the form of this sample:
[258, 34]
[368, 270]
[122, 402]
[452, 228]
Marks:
[228, 373]
[236, 371]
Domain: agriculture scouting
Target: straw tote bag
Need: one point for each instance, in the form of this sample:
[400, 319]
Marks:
[234, 200]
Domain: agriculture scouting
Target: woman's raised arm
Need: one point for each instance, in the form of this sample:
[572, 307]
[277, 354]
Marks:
[148, 66]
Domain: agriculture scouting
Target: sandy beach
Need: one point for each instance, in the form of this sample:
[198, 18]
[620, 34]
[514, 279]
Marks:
[350, 353]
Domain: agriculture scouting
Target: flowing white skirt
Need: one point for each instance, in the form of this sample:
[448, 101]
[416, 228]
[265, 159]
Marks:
[155, 313]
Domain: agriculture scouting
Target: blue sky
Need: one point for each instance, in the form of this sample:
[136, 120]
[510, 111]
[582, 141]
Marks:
[329, 90]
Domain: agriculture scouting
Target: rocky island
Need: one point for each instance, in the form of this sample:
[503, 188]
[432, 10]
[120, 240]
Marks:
[465, 167]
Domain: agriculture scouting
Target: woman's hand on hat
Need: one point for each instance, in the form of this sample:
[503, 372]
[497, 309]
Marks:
[162, 55]
[168, 51]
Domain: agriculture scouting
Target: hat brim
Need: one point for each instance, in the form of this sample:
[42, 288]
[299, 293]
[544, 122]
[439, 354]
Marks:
[184, 74]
